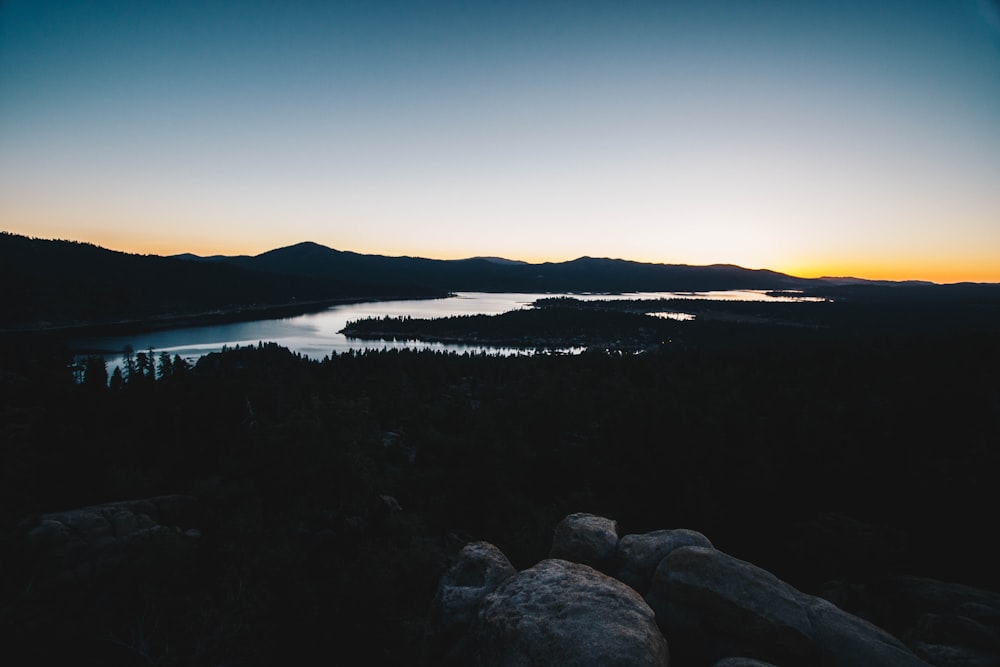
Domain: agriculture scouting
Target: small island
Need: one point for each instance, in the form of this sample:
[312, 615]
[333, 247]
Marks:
[545, 328]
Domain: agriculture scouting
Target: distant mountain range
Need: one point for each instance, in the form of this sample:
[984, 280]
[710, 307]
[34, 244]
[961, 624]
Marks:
[52, 283]
[492, 274]
[49, 283]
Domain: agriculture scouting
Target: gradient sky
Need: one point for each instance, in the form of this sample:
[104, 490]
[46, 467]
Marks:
[846, 137]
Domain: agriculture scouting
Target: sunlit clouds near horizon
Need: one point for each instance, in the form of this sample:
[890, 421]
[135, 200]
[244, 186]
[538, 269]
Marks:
[816, 138]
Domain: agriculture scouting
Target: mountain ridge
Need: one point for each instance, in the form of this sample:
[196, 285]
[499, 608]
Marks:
[593, 274]
[48, 284]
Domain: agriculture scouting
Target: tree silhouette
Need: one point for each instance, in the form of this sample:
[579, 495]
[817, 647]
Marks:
[95, 372]
[128, 354]
[166, 368]
[117, 382]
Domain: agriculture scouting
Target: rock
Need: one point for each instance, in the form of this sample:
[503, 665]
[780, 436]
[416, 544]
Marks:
[124, 522]
[844, 640]
[89, 542]
[638, 555]
[586, 538]
[562, 613]
[957, 640]
[712, 606]
[948, 624]
[480, 568]
[930, 595]
[741, 662]
[175, 510]
[957, 630]
[712, 609]
[955, 656]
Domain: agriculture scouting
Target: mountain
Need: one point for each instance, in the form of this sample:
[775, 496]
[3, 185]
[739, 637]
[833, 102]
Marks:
[911, 291]
[586, 274]
[45, 283]
[501, 260]
[848, 280]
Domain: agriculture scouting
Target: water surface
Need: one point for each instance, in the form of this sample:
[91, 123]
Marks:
[316, 335]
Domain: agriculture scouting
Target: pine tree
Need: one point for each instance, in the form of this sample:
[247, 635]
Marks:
[95, 372]
[117, 382]
[128, 354]
[166, 368]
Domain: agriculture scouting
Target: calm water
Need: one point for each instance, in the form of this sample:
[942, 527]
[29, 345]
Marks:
[316, 335]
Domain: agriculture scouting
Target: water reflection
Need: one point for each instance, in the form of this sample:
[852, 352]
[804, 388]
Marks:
[316, 335]
[680, 317]
[785, 296]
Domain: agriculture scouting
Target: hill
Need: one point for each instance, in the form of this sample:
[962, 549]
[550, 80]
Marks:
[51, 283]
[55, 283]
[484, 274]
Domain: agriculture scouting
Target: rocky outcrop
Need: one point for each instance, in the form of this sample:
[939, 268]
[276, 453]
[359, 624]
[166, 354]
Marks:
[843, 639]
[638, 555]
[480, 568]
[710, 604]
[711, 608]
[562, 613]
[946, 624]
[84, 544]
[586, 538]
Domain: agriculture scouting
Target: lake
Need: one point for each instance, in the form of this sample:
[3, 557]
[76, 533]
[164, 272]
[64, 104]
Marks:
[316, 335]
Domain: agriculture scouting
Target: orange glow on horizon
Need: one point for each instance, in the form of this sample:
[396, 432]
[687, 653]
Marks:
[940, 270]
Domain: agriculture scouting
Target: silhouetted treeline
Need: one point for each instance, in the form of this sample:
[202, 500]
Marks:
[855, 311]
[548, 328]
[623, 324]
[291, 460]
[59, 283]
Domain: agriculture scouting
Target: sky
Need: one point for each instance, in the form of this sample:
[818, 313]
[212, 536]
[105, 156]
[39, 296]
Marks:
[845, 137]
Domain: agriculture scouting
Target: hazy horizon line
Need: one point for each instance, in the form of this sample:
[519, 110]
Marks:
[535, 262]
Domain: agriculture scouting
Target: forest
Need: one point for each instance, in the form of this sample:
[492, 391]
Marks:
[47, 284]
[631, 325]
[333, 493]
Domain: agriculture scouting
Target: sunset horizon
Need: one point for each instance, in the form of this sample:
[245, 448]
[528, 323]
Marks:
[874, 272]
[719, 385]
[851, 140]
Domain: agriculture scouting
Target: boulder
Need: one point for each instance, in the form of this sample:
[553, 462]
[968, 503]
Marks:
[480, 568]
[638, 555]
[588, 539]
[89, 542]
[930, 595]
[844, 640]
[562, 613]
[943, 655]
[956, 629]
[713, 606]
[957, 625]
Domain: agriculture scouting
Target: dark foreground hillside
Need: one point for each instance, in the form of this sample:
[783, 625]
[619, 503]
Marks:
[319, 502]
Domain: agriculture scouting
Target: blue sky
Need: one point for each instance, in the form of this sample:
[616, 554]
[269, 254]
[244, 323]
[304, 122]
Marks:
[811, 137]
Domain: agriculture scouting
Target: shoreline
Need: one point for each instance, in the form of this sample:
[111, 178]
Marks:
[226, 315]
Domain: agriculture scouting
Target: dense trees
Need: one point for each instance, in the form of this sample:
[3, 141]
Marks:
[750, 442]
[47, 283]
